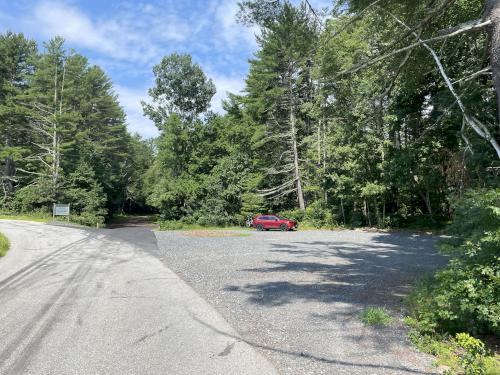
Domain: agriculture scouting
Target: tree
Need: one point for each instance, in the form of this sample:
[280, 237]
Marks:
[17, 56]
[58, 113]
[488, 21]
[278, 85]
[181, 87]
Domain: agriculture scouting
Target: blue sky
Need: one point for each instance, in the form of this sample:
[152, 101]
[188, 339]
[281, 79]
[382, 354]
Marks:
[126, 38]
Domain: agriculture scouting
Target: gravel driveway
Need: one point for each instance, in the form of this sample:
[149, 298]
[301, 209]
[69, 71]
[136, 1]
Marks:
[295, 296]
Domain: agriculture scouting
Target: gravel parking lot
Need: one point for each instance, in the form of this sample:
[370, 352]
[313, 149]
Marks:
[295, 296]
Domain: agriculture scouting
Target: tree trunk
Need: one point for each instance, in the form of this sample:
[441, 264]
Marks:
[492, 12]
[55, 159]
[293, 134]
[8, 175]
[342, 207]
[9, 171]
[427, 200]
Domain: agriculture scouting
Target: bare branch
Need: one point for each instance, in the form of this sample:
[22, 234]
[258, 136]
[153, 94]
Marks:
[474, 25]
[464, 137]
[29, 172]
[389, 88]
[284, 193]
[484, 71]
[43, 147]
[430, 17]
[266, 192]
[273, 171]
[479, 128]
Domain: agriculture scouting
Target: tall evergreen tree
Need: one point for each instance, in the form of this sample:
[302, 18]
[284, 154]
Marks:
[278, 86]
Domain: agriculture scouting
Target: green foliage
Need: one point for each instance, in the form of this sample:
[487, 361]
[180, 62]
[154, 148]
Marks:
[461, 354]
[56, 112]
[181, 87]
[375, 316]
[4, 245]
[474, 351]
[87, 196]
[466, 294]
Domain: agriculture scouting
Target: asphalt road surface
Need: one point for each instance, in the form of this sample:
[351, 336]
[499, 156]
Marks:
[296, 296]
[80, 301]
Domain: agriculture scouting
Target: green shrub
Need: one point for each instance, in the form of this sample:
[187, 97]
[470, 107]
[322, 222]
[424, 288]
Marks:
[4, 245]
[171, 225]
[293, 214]
[316, 215]
[465, 296]
[375, 316]
[463, 299]
[472, 355]
[462, 354]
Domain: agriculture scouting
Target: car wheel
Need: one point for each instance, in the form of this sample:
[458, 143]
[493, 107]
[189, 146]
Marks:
[283, 227]
[259, 227]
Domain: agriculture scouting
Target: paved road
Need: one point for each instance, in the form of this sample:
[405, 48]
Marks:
[296, 296]
[78, 301]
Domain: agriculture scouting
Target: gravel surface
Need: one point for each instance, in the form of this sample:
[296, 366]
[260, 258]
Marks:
[82, 301]
[295, 296]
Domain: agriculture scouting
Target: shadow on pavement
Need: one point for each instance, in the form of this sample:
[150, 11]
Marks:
[375, 273]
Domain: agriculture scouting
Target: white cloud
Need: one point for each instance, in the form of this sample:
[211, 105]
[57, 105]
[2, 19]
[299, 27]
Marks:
[129, 41]
[130, 35]
[225, 85]
[130, 100]
[229, 31]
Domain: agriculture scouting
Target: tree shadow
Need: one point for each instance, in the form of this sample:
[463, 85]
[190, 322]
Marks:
[361, 273]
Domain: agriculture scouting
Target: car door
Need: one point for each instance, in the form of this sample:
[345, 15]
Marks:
[274, 222]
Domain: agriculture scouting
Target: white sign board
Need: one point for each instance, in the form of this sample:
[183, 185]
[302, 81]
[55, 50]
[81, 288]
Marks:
[61, 209]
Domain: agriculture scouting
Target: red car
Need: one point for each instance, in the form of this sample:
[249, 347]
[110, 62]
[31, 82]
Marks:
[266, 222]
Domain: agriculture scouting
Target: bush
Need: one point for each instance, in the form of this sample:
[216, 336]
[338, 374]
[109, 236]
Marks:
[375, 316]
[465, 296]
[4, 245]
[461, 354]
[315, 215]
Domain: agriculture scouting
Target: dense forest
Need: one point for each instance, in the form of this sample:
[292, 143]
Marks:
[381, 115]
[377, 114]
[63, 134]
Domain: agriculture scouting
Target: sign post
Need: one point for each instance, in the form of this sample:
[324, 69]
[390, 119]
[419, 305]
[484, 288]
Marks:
[60, 209]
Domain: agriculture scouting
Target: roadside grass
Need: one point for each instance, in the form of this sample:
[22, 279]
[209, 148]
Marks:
[375, 316]
[36, 217]
[214, 233]
[4, 245]
[177, 225]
